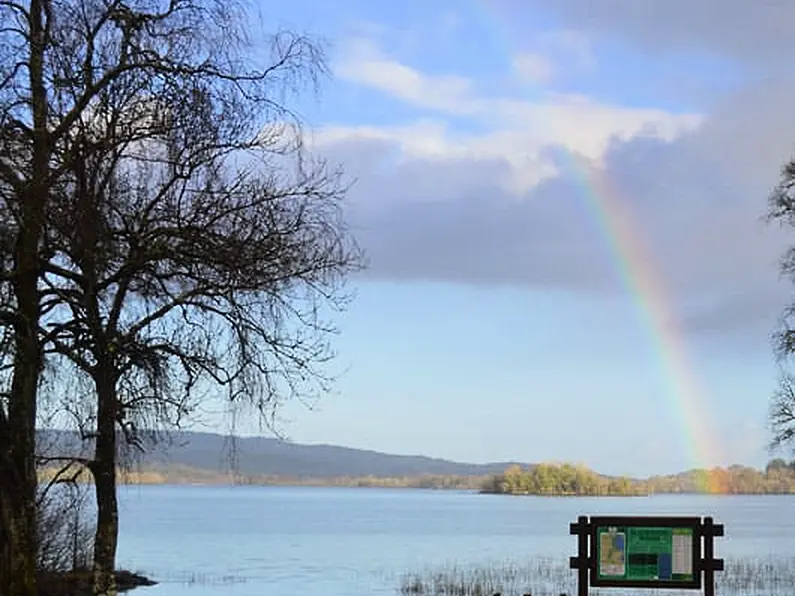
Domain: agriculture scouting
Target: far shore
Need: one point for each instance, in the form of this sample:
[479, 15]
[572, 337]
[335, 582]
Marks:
[148, 479]
[545, 480]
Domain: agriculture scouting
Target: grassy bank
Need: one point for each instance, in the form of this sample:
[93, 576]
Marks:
[552, 577]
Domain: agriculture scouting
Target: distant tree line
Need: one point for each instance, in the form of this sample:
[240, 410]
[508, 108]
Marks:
[778, 477]
[180, 474]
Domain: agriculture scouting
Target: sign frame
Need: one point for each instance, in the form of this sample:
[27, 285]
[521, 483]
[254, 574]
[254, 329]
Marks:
[693, 524]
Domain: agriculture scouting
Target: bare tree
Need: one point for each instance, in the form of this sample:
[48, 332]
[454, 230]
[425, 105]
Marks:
[163, 230]
[217, 283]
[782, 412]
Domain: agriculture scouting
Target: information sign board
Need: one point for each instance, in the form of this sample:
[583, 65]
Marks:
[648, 552]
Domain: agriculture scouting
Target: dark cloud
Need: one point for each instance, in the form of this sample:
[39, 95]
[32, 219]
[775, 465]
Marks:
[472, 231]
[756, 305]
[743, 29]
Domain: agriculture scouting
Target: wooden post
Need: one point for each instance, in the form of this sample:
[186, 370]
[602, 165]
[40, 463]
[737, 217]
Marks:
[582, 552]
[582, 562]
[709, 563]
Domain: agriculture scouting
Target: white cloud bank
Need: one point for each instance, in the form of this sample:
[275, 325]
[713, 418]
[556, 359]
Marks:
[519, 131]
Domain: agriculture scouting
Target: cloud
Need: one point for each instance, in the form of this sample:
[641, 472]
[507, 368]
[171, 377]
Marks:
[742, 29]
[451, 218]
[517, 130]
[362, 62]
[507, 206]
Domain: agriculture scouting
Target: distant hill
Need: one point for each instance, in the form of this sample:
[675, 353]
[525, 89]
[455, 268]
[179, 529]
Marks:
[265, 456]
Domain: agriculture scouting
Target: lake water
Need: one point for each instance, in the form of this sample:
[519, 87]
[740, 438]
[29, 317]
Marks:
[250, 541]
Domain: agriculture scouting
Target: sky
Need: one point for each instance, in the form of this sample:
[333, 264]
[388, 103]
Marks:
[562, 206]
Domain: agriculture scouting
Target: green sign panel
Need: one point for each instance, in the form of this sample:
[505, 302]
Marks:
[645, 552]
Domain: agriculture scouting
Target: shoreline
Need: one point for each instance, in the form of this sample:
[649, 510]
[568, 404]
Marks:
[313, 485]
[543, 480]
[79, 583]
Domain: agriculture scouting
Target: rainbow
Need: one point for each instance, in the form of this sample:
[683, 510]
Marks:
[641, 281]
[634, 266]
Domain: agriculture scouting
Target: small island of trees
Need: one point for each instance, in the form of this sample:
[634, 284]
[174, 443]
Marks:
[559, 480]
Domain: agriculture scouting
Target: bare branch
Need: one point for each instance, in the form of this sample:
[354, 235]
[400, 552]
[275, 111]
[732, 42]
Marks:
[781, 209]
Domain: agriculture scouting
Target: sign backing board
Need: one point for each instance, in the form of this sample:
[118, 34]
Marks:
[646, 552]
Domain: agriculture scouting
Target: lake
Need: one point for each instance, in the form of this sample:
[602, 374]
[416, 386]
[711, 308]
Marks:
[250, 541]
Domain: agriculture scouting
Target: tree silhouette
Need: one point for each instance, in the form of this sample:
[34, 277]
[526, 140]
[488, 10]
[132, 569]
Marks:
[168, 235]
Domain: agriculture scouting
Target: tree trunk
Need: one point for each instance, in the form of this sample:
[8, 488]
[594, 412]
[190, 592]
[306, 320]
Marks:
[6, 506]
[104, 469]
[17, 429]
[17, 438]
[17, 517]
